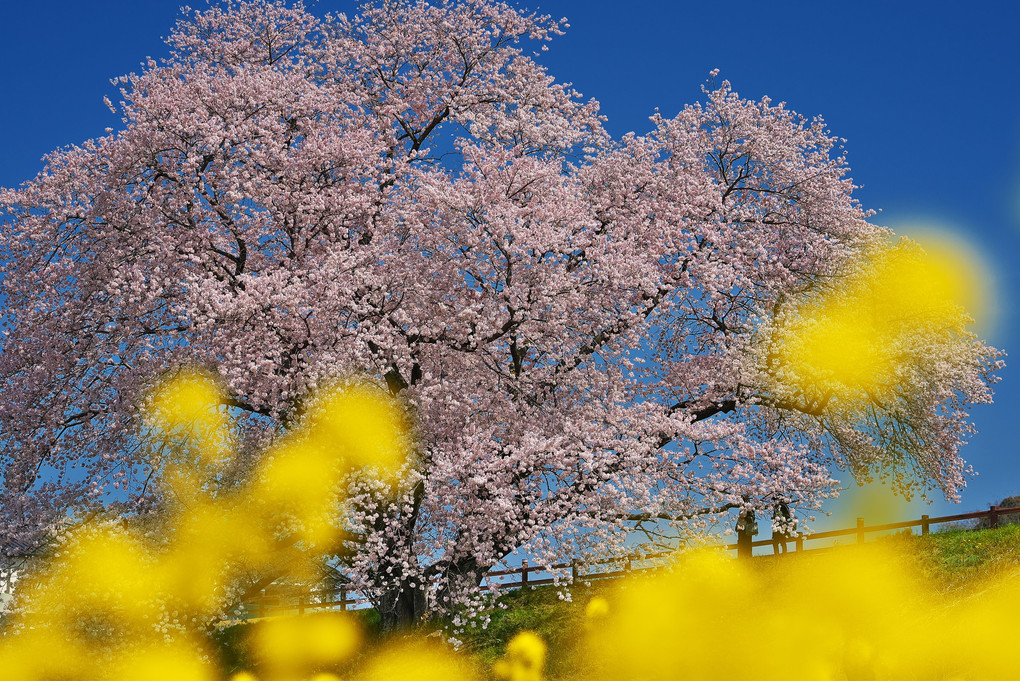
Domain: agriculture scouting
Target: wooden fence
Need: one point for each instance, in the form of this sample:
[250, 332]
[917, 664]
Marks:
[994, 514]
[531, 575]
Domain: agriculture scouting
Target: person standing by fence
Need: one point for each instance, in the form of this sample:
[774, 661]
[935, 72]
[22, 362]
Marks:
[747, 527]
[783, 527]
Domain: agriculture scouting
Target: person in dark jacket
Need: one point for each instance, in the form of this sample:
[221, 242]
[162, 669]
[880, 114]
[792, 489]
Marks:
[747, 527]
[783, 525]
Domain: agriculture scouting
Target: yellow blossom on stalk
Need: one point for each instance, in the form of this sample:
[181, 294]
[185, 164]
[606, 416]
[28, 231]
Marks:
[658, 621]
[416, 661]
[524, 659]
[177, 660]
[350, 426]
[212, 544]
[597, 608]
[851, 613]
[851, 341]
[101, 591]
[120, 607]
[929, 286]
[296, 488]
[297, 645]
[189, 405]
[28, 655]
[100, 605]
[363, 425]
[841, 348]
[243, 676]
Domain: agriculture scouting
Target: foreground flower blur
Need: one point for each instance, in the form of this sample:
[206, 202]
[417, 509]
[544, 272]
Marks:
[121, 602]
[847, 614]
[116, 603]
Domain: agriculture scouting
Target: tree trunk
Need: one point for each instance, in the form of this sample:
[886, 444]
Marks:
[403, 609]
[407, 607]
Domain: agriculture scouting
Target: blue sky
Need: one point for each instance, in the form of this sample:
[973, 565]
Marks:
[926, 94]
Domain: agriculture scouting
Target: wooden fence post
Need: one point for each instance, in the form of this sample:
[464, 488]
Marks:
[524, 573]
[800, 543]
[301, 604]
[924, 524]
[993, 516]
[860, 530]
[343, 598]
[573, 571]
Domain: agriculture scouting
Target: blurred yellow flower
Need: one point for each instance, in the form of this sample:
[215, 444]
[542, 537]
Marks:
[177, 660]
[120, 607]
[101, 593]
[597, 608]
[524, 659]
[244, 676]
[851, 341]
[363, 425]
[417, 661]
[190, 405]
[298, 645]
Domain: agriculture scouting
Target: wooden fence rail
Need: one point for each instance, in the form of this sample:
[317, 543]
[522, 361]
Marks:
[343, 600]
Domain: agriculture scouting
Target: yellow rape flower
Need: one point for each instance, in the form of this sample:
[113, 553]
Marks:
[524, 659]
[297, 644]
[417, 661]
[363, 425]
[597, 608]
[851, 342]
[190, 406]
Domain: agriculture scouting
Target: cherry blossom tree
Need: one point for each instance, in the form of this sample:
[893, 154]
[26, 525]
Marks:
[576, 323]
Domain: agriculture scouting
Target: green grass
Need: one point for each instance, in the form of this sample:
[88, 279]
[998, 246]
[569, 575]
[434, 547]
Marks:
[539, 609]
[958, 560]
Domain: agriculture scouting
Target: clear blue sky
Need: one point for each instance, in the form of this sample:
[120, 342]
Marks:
[926, 93]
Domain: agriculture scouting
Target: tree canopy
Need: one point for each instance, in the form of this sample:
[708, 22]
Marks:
[592, 335]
